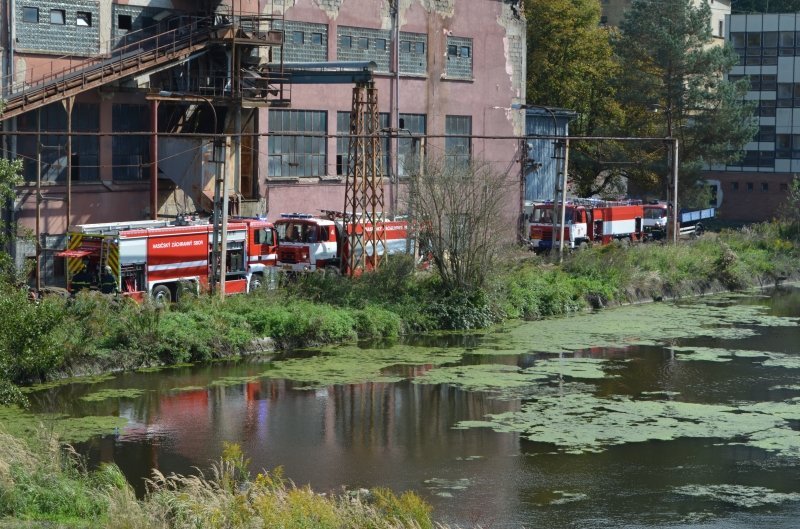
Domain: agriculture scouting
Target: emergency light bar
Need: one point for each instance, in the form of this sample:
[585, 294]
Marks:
[296, 216]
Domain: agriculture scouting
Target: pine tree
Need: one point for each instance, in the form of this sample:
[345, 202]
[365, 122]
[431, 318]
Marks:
[672, 84]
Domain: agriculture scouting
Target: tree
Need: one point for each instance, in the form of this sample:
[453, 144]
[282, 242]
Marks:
[458, 209]
[672, 84]
[765, 6]
[10, 172]
[570, 61]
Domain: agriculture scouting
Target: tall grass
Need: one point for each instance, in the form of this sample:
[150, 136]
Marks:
[44, 482]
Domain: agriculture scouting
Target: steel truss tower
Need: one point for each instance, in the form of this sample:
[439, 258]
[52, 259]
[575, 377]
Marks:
[363, 200]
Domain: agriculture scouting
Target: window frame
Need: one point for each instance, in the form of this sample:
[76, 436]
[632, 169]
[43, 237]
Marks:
[26, 11]
[58, 12]
[85, 16]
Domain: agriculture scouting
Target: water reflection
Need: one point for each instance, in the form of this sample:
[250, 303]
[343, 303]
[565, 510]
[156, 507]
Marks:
[401, 435]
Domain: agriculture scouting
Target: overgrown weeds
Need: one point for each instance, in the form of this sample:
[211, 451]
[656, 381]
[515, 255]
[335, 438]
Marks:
[45, 482]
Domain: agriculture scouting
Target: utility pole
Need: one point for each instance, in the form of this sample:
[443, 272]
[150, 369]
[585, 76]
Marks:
[563, 201]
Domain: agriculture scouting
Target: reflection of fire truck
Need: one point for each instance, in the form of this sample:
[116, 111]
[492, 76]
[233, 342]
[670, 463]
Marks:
[586, 221]
[159, 257]
[656, 217]
[308, 243]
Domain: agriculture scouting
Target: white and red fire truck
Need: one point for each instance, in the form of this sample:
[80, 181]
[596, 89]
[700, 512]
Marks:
[586, 221]
[158, 258]
[308, 243]
[656, 217]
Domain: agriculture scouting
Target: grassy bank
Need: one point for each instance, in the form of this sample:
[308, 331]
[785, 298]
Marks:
[94, 333]
[41, 483]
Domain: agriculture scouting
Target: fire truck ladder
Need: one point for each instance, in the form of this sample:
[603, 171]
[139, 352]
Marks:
[191, 35]
[363, 202]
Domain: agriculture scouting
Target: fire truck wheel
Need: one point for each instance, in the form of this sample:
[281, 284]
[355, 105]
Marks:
[699, 229]
[256, 282]
[162, 295]
[332, 271]
[583, 245]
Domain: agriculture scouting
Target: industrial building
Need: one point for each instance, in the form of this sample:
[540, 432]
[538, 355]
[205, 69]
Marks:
[113, 105]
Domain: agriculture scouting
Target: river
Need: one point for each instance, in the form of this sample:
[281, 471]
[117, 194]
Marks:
[659, 415]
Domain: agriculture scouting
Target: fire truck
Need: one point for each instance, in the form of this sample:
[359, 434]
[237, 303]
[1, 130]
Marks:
[160, 258]
[656, 217]
[586, 222]
[309, 244]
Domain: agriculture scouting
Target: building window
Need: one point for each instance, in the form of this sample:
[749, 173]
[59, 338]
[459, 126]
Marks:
[298, 156]
[346, 41]
[766, 133]
[735, 186]
[458, 149]
[408, 153]
[764, 186]
[316, 39]
[343, 142]
[419, 48]
[130, 154]
[58, 16]
[459, 58]
[380, 44]
[298, 38]
[750, 186]
[604, 19]
[125, 22]
[721, 28]
[784, 186]
[83, 18]
[405, 46]
[363, 43]
[30, 15]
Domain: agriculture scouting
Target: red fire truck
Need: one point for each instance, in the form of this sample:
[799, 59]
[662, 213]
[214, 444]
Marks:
[159, 258]
[586, 221]
[308, 243]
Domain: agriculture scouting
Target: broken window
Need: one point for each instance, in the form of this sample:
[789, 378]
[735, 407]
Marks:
[125, 22]
[296, 155]
[459, 58]
[83, 18]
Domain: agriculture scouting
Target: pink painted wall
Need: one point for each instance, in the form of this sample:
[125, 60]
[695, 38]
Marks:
[488, 98]
[90, 203]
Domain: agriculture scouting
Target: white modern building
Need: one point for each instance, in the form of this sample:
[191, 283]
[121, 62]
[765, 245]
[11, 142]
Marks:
[769, 55]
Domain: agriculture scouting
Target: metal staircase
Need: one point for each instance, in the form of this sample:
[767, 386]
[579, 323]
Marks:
[189, 36]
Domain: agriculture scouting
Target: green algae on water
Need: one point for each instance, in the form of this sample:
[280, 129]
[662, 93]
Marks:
[68, 429]
[105, 394]
[511, 382]
[445, 487]
[187, 389]
[739, 495]
[632, 325]
[581, 423]
[353, 365]
[714, 354]
[44, 386]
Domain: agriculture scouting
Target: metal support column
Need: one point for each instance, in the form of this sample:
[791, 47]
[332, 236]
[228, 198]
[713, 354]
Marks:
[154, 160]
[363, 203]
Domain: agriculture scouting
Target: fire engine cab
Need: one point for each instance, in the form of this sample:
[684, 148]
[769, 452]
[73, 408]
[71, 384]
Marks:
[159, 258]
[309, 244]
[585, 222]
[656, 217]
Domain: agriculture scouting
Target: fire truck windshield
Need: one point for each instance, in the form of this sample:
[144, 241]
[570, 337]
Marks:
[296, 232]
[655, 213]
[543, 215]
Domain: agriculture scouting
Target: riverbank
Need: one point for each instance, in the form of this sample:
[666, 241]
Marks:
[92, 334]
[41, 485]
